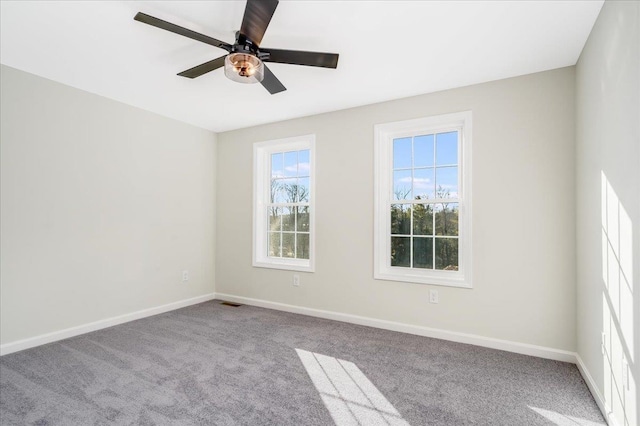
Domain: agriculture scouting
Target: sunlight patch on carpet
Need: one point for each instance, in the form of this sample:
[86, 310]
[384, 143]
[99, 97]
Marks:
[564, 420]
[347, 393]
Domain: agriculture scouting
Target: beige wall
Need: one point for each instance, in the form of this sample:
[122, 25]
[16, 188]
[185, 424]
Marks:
[102, 206]
[608, 222]
[523, 214]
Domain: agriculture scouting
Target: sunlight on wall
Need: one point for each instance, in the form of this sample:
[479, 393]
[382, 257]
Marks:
[617, 308]
[563, 420]
[347, 393]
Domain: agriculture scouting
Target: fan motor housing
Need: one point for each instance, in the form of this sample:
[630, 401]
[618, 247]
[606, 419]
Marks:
[244, 45]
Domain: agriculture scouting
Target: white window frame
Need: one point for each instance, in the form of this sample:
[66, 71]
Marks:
[262, 194]
[383, 139]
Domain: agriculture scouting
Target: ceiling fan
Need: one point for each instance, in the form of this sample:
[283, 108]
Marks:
[245, 62]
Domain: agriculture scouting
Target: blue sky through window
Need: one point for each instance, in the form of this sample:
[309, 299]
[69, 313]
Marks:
[290, 170]
[402, 153]
[447, 148]
[423, 151]
[291, 163]
[425, 166]
[447, 180]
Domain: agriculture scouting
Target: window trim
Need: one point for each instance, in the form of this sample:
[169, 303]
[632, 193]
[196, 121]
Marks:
[261, 192]
[384, 134]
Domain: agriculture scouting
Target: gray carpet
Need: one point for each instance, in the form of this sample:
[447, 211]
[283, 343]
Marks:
[211, 364]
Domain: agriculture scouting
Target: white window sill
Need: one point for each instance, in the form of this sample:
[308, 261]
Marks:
[287, 265]
[433, 278]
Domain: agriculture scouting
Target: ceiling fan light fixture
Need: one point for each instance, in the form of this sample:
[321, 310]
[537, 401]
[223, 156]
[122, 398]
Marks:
[243, 68]
[243, 63]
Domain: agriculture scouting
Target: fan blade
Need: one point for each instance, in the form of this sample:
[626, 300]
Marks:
[299, 57]
[155, 22]
[257, 16]
[271, 82]
[201, 69]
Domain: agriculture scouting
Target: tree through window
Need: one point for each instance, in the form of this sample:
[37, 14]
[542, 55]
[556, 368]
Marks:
[283, 203]
[423, 200]
[288, 206]
[424, 206]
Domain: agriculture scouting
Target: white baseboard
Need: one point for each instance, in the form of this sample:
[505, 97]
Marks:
[488, 342]
[591, 384]
[31, 342]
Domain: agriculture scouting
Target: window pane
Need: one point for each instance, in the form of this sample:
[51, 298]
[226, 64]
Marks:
[402, 153]
[276, 191]
[447, 182]
[284, 190]
[447, 254]
[274, 244]
[423, 253]
[400, 251]
[288, 244]
[402, 185]
[446, 219]
[302, 219]
[422, 219]
[303, 163]
[285, 206]
[288, 219]
[303, 190]
[276, 165]
[302, 246]
[447, 148]
[423, 151]
[401, 219]
[423, 184]
[291, 163]
[275, 220]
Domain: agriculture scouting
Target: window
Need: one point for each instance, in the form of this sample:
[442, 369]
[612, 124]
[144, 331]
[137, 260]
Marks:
[423, 200]
[283, 203]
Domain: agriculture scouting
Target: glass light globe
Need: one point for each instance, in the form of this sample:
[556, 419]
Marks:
[243, 68]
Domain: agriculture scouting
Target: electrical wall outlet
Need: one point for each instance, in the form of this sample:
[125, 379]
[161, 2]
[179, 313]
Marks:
[433, 296]
[185, 276]
[296, 280]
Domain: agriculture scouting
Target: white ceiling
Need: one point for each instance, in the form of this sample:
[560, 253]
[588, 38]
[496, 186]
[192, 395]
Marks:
[388, 50]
